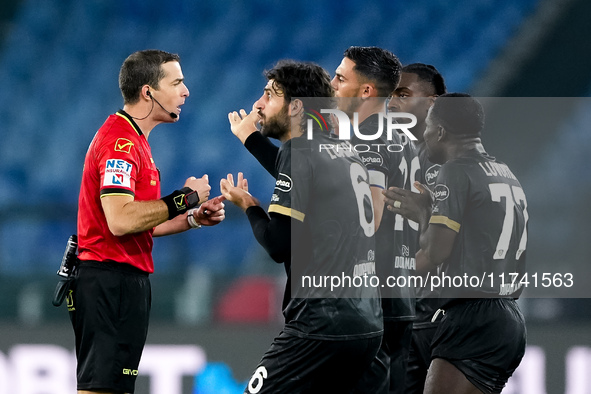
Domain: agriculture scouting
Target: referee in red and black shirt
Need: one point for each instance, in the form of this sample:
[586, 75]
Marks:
[120, 210]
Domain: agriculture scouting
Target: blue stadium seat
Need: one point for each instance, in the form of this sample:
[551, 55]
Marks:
[59, 63]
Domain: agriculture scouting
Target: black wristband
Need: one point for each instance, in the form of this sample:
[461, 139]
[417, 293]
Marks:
[180, 201]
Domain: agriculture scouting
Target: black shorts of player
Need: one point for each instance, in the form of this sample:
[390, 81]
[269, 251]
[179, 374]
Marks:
[387, 371]
[299, 365]
[398, 337]
[109, 306]
[484, 338]
[419, 359]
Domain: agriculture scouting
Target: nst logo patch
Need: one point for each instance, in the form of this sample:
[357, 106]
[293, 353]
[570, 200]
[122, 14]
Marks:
[283, 183]
[431, 174]
[117, 173]
[441, 192]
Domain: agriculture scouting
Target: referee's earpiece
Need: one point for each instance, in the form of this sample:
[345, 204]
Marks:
[171, 114]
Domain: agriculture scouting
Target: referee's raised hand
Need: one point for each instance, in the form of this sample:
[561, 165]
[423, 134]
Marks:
[201, 186]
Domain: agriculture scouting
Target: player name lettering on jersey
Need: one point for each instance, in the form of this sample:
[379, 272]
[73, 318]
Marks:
[368, 268]
[496, 169]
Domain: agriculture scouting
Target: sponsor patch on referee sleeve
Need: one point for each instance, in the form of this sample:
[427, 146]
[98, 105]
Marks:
[117, 173]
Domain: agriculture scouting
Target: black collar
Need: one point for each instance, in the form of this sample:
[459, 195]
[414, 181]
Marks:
[131, 121]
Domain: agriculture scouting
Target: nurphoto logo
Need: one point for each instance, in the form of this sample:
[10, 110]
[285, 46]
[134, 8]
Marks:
[344, 124]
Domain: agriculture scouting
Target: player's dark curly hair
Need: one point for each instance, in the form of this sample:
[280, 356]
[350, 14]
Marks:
[303, 80]
[377, 65]
[142, 68]
[429, 74]
[300, 79]
[459, 113]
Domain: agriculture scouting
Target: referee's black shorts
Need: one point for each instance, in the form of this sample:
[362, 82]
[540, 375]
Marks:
[109, 305]
[483, 338]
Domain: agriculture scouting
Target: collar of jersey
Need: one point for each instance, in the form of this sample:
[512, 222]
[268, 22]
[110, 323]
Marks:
[130, 120]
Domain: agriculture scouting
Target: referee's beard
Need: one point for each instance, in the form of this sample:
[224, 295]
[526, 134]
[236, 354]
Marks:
[277, 125]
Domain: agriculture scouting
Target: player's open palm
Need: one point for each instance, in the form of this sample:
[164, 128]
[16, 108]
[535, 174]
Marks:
[237, 194]
[243, 124]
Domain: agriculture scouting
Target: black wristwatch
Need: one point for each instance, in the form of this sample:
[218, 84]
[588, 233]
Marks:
[191, 197]
[180, 201]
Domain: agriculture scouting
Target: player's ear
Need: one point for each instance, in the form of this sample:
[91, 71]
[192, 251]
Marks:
[368, 90]
[296, 107]
[441, 133]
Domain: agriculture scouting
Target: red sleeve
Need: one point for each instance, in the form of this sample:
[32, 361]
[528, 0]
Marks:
[118, 161]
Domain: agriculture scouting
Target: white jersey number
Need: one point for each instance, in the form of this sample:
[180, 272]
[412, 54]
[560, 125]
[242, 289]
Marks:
[360, 181]
[415, 167]
[256, 382]
[512, 196]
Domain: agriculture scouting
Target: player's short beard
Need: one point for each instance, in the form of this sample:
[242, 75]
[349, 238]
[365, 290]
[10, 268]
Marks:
[349, 105]
[278, 125]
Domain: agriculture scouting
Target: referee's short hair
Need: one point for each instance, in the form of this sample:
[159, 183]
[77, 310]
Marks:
[142, 68]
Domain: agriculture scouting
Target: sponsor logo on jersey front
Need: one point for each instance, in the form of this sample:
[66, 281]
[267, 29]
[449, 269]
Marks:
[405, 250]
[283, 183]
[123, 145]
[117, 173]
[440, 192]
[365, 268]
[404, 262]
[372, 159]
[431, 174]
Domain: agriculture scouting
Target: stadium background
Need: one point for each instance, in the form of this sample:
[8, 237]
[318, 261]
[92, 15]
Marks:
[216, 294]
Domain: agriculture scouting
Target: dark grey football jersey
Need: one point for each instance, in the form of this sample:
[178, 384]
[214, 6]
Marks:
[427, 299]
[322, 184]
[482, 200]
[390, 163]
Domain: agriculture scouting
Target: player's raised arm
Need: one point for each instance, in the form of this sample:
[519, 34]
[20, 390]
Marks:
[244, 126]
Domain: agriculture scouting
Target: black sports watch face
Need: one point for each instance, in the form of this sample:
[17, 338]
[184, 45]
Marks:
[192, 199]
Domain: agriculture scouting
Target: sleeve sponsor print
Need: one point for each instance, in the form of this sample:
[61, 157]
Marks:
[117, 173]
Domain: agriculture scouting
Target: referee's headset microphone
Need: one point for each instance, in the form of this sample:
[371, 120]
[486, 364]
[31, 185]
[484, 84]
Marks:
[172, 114]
